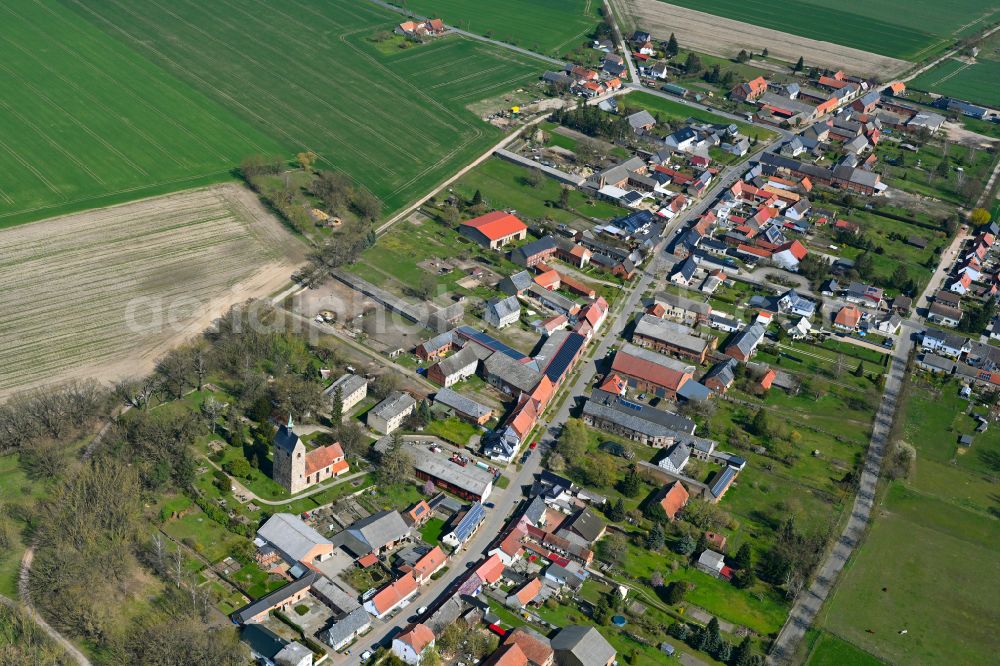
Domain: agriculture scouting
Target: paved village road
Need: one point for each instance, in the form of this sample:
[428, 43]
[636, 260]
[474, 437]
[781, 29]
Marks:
[948, 257]
[809, 602]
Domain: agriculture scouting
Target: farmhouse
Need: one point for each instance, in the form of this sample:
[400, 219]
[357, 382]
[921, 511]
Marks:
[293, 540]
[672, 499]
[680, 309]
[749, 91]
[296, 468]
[577, 645]
[533, 253]
[494, 230]
[420, 28]
[635, 421]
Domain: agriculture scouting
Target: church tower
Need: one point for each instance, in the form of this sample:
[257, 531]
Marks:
[289, 467]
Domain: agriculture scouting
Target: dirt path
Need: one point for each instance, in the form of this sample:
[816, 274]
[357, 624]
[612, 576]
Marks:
[25, 599]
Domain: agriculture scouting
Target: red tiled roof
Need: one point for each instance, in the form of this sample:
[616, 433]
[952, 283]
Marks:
[430, 562]
[768, 379]
[614, 384]
[648, 371]
[508, 654]
[529, 591]
[496, 225]
[848, 316]
[831, 82]
[674, 499]
[394, 593]
[367, 561]
[536, 648]
[524, 418]
[756, 251]
[490, 570]
[418, 636]
[325, 456]
[548, 280]
[797, 249]
[542, 393]
[511, 544]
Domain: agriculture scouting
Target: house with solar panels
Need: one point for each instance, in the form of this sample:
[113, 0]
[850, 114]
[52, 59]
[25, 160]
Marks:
[467, 525]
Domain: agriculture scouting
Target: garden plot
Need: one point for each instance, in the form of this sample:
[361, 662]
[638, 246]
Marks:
[105, 293]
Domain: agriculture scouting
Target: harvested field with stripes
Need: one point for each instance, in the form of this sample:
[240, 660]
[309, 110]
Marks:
[104, 294]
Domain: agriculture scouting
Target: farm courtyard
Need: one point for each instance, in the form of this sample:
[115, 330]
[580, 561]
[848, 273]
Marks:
[105, 293]
[186, 104]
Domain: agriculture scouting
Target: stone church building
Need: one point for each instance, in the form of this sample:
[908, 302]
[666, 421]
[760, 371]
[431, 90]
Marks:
[297, 468]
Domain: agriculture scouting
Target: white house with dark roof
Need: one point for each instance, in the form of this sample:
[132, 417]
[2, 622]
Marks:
[352, 388]
[501, 312]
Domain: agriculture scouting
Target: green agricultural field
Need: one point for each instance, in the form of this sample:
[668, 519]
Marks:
[976, 82]
[929, 567]
[544, 26]
[907, 29]
[128, 100]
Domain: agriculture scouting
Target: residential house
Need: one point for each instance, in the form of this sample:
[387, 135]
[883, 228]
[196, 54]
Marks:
[749, 91]
[516, 284]
[641, 121]
[409, 645]
[466, 526]
[792, 303]
[352, 390]
[945, 315]
[890, 325]
[721, 376]
[533, 253]
[501, 312]
[535, 647]
[676, 459]
[847, 318]
[524, 594]
[636, 421]
[343, 632]
[389, 414]
[392, 596]
[945, 343]
[293, 540]
[711, 563]
[649, 372]
[680, 309]
[745, 343]
[683, 272]
[455, 368]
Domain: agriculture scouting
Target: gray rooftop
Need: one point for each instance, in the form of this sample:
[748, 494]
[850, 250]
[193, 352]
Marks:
[395, 404]
[460, 360]
[635, 416]
[503, 307]
[518, 375]
[274, 598]
[351, 624]
[347, 384]
[470, 478]
[378, 529]
[670, 333]
[748, 338]
[586, 645]
[460, 403]
[684, 303]
[290, 535]
[640, 119]
[344, 601]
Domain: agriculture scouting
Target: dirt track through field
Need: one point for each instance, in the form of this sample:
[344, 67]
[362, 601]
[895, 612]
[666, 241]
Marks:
[721, 36]
[105, 293]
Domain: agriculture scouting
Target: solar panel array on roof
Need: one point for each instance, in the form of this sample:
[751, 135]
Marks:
[489, 342]
[564, 357]
[631, 405]
[470, 522]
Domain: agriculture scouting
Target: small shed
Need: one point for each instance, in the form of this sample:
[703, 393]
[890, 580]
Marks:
[965, 440]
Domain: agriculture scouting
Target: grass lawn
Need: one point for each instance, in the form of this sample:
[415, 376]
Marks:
[452, 429]
[127, 103]
[16, 489]
[545, 26]
[432, 530]
[204, 535]
[918, 27]
[929, 567]
[675, 111]
[830, 650]
[504, 185]
[256, 582]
